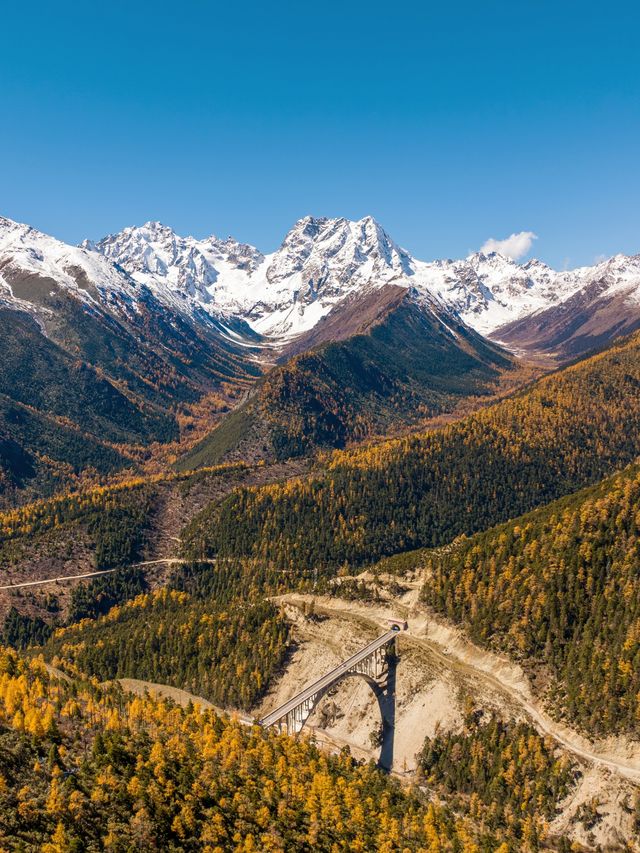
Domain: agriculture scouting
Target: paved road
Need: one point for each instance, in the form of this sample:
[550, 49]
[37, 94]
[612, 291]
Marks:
[328, 679]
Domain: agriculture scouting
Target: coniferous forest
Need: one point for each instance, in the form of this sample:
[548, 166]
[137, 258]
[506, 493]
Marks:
[569, 572]
[226, 654]
[566, 568]
[555, 588]
[566, 431]
[86, 768]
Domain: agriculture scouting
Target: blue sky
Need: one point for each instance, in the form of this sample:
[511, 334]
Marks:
[451, 123]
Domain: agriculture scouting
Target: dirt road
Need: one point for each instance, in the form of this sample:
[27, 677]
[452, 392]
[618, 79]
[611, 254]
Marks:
[459, 655]
[164, 560]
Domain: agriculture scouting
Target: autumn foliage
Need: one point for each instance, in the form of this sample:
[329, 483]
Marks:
[87, 768]
[566, 431]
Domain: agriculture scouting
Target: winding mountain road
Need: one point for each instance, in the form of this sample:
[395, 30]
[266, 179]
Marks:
[569, 739]
[460, 656]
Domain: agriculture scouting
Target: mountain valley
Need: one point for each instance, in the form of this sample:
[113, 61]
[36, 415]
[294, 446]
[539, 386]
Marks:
[224, 470]
[153, 347]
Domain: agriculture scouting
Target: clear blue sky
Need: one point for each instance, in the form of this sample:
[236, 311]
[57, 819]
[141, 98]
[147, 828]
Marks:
[450, 122]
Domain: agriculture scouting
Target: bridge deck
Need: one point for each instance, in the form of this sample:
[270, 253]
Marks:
[327, 679]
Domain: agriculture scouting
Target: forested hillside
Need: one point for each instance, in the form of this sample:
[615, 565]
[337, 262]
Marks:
[224, 650]
[98, 503]
[212, 632]
[559, 589]
[99, 383]
[86, 768]
[113, 517]
[499, 773]
[566, 431]
[101, 528]
[385, 362]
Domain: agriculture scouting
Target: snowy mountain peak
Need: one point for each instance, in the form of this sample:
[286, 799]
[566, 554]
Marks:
[27, 254]
[153, 226]
[174, 266]
[9, 224]
[535, 265]
[321, 262]
[493, 261]
[329, 252]
[15, 233]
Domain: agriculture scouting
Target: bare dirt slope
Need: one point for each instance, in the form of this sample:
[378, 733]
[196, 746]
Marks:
[178, 501]
[350, 714]
[448, 645]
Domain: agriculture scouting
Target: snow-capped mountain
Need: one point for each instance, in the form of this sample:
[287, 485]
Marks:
[125, 336]
[605, 305]
[26, 253]
[36, 269]
[283, 295]
[320, 262]
[488, 290]
[491, 291]
[323, 261]
[179, 267]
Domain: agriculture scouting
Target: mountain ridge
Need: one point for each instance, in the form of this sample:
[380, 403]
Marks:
[388, 358]
[565, 431]
[141, 327]
[110, 365]
[322, 261]
[269, 300]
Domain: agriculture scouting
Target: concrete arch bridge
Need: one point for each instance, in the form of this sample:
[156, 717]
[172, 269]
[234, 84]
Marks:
[376, 664]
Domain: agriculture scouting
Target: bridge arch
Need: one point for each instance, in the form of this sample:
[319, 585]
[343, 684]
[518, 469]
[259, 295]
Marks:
[376, 664]
[373, 685]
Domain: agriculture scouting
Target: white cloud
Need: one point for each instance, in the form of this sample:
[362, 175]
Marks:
[514, 247]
